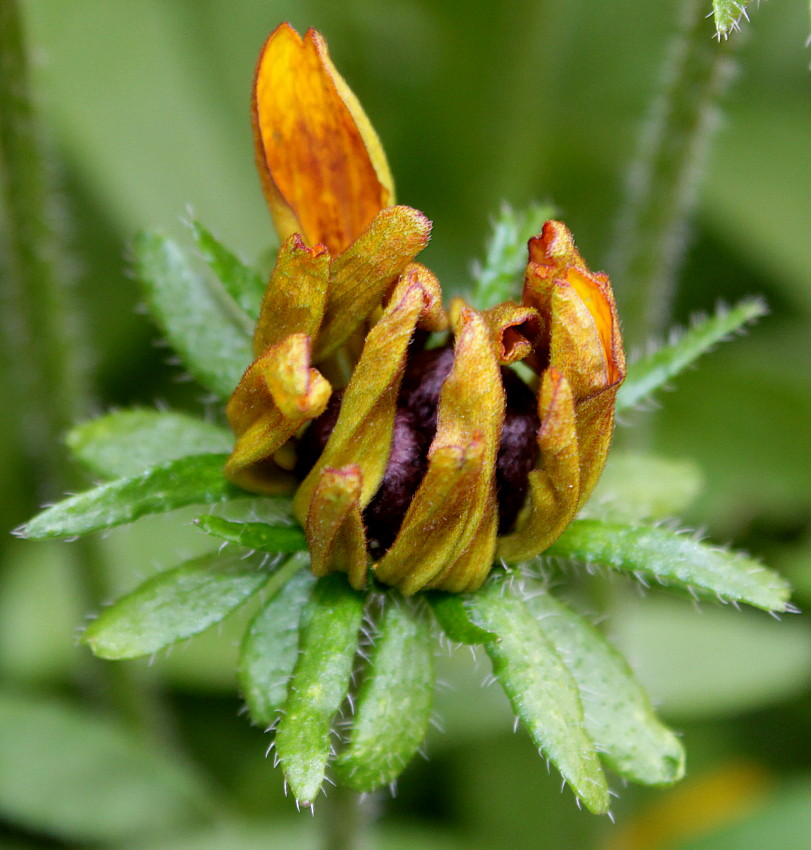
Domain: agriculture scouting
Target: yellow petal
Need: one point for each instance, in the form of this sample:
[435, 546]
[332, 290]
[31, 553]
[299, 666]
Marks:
[365, 273]
[278, 393]
[363, 431]
[334, 526]
[450, 521]
[322, 166]
[296, 294]
[554, 489]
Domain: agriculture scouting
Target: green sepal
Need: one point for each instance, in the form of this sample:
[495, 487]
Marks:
[176, 604]
[497, 279]
[673, 559]
[328, 640]
[270, 649]
[241, 282]
[195, 480]
[541, 690]
[617, 712]
[209, 332]
[394, 702]
[451, 614]
[653, 371]
[255, 535]
[637, 487]
[126, 442]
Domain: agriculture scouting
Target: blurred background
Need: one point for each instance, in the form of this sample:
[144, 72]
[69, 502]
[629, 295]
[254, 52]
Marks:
[146, 113]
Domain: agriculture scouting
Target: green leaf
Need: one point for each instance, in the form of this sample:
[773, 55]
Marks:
[728, 14]
[83, 778]
[241, 282]
[127, 442]
[654, 370]
[205, 327]
[255, 535]
[270, 649]
[394, 702]
[541, 690]
[328, 641]
[176, 604]
[675, 559]
[636, 487]
[452, 616]
[617, 712]
[195, 480]
[498, 277]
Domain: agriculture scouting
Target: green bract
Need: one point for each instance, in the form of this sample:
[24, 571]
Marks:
[309, 638]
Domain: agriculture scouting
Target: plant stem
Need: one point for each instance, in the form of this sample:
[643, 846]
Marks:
[50, 387]
[345, 819]
[664, 177]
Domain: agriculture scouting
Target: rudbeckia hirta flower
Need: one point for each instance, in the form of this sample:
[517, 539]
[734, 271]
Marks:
[416, 449]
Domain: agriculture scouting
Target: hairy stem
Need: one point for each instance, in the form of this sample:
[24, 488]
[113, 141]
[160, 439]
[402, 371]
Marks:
[50, 378]
[665, 175]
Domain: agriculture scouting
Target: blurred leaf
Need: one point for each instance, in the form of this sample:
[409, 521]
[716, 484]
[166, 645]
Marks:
[712, 662]
[80, 777]
[636, 487]
[194, 480]
[498, 278]
[204, 326]
[394, 702]
[176, 604]
[255, 535]
[127, 442]
[673, 558]
[728, 14]
[783, 823]
[541, 690]
[270, 649]
[450, 611]
[328, 639]
[652, 371]
[617, 712]
[241, 282]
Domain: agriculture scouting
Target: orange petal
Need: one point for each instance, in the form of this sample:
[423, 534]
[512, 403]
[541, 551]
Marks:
[554, 489]
[322, 166]
[365, 273]
[278, 393]
[515, 329]
[363, 431]
[334, 526]
[296, 294]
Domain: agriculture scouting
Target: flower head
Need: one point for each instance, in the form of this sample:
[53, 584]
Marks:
[425, 463]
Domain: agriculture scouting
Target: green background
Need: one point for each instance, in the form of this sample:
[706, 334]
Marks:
[145, 106]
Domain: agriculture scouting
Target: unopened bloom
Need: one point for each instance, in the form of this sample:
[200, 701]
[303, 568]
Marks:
[425, 464]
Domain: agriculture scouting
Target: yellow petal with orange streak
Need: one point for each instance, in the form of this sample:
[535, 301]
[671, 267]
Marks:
[362, 277]
[321, 164]
[278, 393]
[334, 526]
[515, 329]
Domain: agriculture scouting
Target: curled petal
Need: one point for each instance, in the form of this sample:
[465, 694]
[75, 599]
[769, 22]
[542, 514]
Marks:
[296, 294]
[363, 431]
[515, 329]
[365, 273]
[322, 167]
[452, 519]
[334, 526]
[278, 393]
[554, 489]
